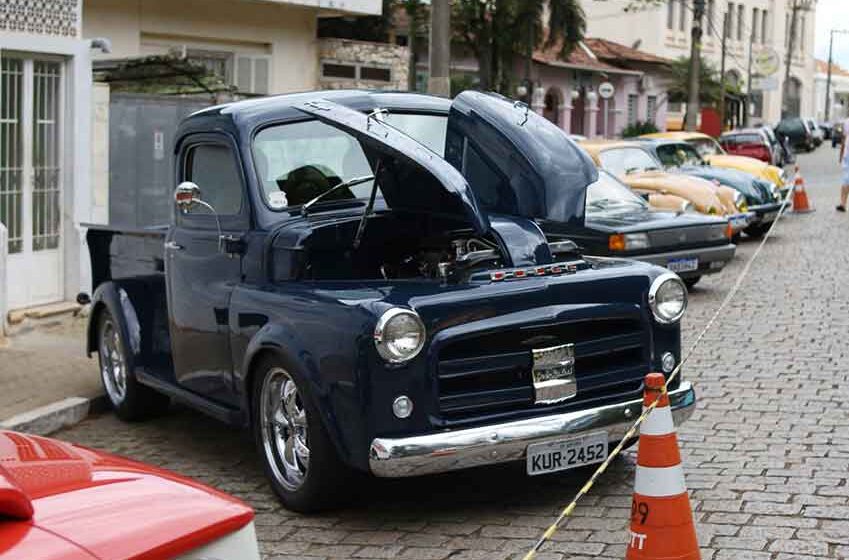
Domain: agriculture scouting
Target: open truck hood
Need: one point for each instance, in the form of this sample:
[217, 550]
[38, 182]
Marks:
[517, 162]
[426, 182]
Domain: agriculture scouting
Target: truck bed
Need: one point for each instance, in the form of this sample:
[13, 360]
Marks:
[125, 252]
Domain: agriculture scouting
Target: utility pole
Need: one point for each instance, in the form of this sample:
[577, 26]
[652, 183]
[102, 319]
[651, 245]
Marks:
[693, 105]
[439, 82]
[722, 45]
[747, 109]
[796, 7]
[828, 80]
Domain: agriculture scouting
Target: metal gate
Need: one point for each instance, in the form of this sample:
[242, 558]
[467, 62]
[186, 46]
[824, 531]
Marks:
[141, 159]
[31, 150]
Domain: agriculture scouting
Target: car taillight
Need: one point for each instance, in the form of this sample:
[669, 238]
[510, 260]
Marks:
[616, 242]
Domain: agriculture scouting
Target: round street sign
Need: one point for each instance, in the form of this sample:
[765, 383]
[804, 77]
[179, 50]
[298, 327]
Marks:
[606, 90]
[766, 62]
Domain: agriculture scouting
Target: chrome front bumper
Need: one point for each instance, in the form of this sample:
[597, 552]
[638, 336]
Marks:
[500, 443]
[706, 255]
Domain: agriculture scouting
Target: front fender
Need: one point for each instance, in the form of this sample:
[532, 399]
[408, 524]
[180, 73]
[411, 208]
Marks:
[114, 298]
[325, 395]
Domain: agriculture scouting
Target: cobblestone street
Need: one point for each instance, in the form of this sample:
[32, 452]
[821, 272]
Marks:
[766, 453]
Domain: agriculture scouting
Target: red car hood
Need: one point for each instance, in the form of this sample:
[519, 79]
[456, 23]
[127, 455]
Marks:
[62, 501]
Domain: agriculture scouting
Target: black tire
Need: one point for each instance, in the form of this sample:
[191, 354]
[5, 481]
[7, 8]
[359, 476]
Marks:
[692, 281]
[757, 231]
[130, 399]
[326, 479]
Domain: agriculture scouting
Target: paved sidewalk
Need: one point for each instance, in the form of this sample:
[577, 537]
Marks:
[44, 365]
[766, 453]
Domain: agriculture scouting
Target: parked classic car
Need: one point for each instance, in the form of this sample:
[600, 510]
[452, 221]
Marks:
[778, 155]
[59, 501]
[363, 305]
[621, 224]
[816, 132]
[798, 132]
[763, 198]
[749, 142]
[635, 165]
[712, 152]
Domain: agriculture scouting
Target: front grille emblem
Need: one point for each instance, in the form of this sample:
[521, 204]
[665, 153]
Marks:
[554, 374]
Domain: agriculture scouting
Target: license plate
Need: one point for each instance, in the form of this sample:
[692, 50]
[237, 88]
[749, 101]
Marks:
[566, 454]
[683, 265]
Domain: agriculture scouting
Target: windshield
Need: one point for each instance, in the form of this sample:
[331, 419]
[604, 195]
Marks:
[622, 161]
[706, 146]
[429, 130]
[678, 155]
[297, 162]
[609, 195]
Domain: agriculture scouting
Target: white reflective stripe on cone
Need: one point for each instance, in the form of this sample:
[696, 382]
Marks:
[660, 482]
[658, 423]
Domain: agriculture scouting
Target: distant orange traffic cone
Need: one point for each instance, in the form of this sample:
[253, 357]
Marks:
[800, 196]
[661, 519]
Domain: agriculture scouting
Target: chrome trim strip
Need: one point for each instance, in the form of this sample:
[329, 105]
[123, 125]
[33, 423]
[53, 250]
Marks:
[499, 443]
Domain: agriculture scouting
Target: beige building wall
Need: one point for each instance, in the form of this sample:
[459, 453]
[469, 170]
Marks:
[666, 33]
[285, 33]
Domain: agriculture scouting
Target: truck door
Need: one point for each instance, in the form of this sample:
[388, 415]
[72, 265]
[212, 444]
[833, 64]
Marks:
[202, 270]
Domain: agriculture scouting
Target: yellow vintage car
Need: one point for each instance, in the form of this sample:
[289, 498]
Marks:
[637, 167]
[713, 153]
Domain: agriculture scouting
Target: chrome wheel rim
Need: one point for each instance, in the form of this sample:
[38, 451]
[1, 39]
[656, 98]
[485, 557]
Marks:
[284, 429]
[113, 366]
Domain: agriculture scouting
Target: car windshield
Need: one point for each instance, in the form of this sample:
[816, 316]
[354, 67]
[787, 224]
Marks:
[429, 130]
[609, 195]
[298, 162]
[622, 161]
[678, 155]
[706, 146]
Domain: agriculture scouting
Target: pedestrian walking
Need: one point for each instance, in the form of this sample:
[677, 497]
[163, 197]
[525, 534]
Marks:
[844, 162]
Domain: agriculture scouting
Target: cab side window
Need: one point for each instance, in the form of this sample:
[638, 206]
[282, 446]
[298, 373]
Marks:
[213, 168]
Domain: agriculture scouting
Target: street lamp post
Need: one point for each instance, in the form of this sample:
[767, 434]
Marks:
[795, 8]
[828, 79]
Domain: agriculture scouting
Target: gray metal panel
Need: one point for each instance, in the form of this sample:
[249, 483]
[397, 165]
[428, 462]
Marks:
[141, 159]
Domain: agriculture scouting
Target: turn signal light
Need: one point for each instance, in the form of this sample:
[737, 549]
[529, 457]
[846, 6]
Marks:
[729, 231]
[616, 242]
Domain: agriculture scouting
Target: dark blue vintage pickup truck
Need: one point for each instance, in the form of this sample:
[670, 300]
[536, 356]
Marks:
[363, 304]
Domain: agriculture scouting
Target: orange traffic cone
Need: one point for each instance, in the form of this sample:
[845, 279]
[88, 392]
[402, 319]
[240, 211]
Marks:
[800, 196]
[661, 519]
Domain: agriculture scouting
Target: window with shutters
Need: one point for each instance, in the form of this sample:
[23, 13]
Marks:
[651, 108]
[670, 14]
[632, 108]
[764, 26]
[253, 74]
[740, 16]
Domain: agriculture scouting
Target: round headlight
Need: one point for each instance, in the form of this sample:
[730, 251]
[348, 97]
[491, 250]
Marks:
[399, 335]
[740, 202]
[668, 298]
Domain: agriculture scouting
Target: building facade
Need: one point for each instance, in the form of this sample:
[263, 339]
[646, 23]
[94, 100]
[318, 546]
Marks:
[758, 26]
[261, 47]
[838, 92]
[45, 192]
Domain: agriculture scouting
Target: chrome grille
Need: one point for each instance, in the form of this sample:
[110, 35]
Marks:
[490, 372]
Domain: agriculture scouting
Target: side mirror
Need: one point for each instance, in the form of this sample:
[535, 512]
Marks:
[186, 195]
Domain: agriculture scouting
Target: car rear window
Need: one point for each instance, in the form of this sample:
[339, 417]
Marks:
[742, 139]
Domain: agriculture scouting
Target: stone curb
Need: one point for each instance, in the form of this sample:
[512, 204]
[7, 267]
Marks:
[53, 417]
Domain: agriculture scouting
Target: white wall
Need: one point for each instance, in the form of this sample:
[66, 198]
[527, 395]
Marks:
[4, 246]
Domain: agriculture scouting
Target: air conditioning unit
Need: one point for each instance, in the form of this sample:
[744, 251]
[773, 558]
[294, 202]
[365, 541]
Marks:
[646, 82]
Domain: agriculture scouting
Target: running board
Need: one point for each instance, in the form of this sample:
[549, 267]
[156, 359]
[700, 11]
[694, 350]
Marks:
[217, 411]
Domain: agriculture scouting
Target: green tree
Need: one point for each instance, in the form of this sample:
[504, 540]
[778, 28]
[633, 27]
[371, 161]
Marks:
[710, 88]
[495, 31]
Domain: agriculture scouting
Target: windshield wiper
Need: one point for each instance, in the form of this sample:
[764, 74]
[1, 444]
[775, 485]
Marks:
[349, 183]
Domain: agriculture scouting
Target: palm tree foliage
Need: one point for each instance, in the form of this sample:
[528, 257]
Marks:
[495, 31]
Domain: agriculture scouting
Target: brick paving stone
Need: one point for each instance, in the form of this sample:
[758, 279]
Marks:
[765, 453]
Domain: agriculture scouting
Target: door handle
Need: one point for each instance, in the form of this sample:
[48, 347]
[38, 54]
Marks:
[173, 245]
